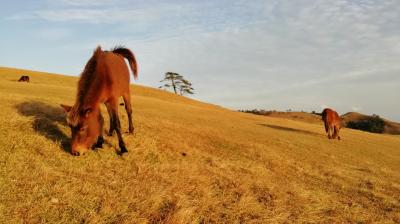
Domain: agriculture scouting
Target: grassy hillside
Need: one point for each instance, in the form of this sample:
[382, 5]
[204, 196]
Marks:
[188, 162]
[296, 116]
[390, 127]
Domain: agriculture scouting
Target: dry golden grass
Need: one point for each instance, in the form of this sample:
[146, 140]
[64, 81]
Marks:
[188, 162]
[297, 116]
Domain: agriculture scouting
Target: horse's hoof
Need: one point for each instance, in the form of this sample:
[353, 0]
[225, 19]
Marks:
[99, 143]
[76, 153]
[123, 150]
[97, 146]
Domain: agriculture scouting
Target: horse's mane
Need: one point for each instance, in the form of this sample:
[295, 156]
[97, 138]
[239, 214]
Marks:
[87, 75]
[85, 80]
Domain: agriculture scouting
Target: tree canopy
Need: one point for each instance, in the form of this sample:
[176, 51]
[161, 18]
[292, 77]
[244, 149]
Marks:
[178, 84]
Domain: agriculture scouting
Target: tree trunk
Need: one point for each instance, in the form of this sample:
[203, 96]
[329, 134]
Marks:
[173, 85]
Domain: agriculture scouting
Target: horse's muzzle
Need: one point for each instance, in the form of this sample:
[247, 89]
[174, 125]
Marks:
[79, 150]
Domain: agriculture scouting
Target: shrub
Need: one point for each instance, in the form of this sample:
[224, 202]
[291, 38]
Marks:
[373, 124]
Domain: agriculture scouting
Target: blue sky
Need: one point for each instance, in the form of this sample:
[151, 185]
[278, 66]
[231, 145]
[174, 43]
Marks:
[299, 54]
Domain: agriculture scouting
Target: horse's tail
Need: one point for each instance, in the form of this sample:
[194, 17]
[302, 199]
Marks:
[126, 53]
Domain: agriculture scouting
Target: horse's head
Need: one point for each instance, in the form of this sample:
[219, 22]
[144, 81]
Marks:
[85, 127]
[325, 113]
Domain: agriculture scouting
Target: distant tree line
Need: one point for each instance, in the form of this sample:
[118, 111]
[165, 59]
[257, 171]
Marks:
[258, 112]
[268, 112]
[373, 124]
[313, 112]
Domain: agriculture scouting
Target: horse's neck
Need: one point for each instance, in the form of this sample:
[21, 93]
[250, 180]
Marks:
[88, 101]
[91, 96]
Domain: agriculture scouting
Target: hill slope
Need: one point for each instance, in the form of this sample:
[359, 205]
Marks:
[390, 127]
[296, 116]
[188, 162]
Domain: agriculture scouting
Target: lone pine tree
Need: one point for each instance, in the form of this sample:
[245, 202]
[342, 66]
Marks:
[177, 83]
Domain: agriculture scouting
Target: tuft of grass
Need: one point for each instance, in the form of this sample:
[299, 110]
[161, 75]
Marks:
[188, 162]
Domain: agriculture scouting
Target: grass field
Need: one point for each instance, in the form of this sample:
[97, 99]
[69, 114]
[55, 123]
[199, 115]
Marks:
[188, 162]
[297, 116]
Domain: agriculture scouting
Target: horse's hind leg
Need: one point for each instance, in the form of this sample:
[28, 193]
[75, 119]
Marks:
[128, 108]
[336, 133]
[330, 131]
[114, 113]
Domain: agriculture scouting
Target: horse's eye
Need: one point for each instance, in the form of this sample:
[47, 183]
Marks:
[82, 129]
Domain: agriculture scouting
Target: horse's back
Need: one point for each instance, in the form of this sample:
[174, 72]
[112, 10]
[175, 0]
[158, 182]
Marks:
[115, 72]
[331, 116]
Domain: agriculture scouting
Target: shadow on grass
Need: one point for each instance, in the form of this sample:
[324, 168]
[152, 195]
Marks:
[46, 117]
[289, 129]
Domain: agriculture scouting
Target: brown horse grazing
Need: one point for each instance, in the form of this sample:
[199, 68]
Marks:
[24, 78]
[104, 79]
[332, 123]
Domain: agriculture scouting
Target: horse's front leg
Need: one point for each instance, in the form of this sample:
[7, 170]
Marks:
[100, 139]
[112, 120]
[114, 114]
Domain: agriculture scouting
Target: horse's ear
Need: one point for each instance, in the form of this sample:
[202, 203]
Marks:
[87, 112]
[66, 108]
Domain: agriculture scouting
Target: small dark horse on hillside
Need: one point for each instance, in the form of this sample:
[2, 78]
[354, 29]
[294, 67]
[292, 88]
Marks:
[332, 123]
[24, 78]
[104, 79]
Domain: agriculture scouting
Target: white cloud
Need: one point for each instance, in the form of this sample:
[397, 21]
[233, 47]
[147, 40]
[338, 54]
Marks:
[19, 16]
[80, 3]
[86, 15]
[356, 109]
[54, 33]
[324, 106]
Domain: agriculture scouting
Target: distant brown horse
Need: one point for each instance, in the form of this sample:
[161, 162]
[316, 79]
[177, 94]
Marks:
[332, 123]
[104, 79]
[24, 78]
